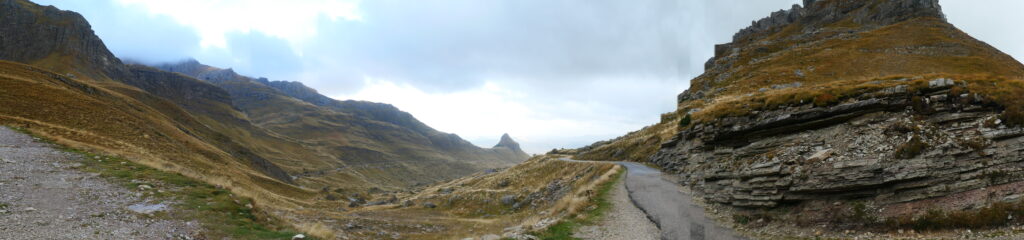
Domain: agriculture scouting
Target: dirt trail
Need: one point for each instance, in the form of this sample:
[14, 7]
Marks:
[623, 221]
[43, 196]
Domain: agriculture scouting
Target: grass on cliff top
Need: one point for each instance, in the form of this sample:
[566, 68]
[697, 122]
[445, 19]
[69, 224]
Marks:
[564, 229]
[222, 214]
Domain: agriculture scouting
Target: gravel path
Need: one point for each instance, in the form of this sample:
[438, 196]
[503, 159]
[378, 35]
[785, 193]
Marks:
[674, 211]
[623, 221]
[43, 196]
[664, 203]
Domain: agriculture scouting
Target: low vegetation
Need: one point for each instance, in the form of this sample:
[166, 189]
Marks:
[911, 148]
[995, 215]
[595, 210]
[222, 214]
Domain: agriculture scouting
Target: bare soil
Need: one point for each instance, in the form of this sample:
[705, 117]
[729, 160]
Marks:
[43, 196]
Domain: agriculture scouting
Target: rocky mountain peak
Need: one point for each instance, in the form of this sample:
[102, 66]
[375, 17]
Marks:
[506, 141]
[60, 40]
[817, 13]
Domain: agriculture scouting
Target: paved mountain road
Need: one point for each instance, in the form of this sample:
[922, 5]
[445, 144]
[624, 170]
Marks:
[668, 207]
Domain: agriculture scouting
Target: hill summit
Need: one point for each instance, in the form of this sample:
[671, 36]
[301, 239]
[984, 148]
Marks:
[879, 102]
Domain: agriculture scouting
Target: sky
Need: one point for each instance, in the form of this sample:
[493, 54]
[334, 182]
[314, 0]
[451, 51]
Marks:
[551, 73]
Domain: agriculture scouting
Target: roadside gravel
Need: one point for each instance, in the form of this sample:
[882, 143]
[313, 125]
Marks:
[43, 196]
[622, 221]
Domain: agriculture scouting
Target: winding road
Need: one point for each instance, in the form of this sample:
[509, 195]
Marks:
[673, 211]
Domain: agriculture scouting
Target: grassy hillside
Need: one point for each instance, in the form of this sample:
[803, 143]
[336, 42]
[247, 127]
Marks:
[59, 81]
[824, 59]
[143, 128]
[375, 142]
[529, 197]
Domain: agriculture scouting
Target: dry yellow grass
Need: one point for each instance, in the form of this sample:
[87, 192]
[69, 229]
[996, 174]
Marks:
[67, 110]
[473, 206]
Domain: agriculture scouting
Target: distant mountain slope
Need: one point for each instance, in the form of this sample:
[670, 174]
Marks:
[77, 93]
[362, 134]
[273, 141]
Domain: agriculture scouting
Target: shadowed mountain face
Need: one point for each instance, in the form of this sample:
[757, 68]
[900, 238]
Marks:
[271, 140]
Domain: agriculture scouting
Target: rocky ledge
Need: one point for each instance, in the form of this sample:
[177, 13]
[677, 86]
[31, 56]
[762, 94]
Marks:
[891, 146]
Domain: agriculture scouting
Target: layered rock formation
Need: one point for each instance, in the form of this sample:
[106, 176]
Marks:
[843, 99]
[876, 146]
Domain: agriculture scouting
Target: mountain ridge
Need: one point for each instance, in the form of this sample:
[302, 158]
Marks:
[221, 128]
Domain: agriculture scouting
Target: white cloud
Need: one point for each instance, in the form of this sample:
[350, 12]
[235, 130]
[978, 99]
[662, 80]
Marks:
[213, 19]
[482, 114]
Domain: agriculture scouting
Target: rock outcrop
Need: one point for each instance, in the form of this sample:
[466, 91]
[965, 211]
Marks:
[784, 117]
[48, 36]
[863, 148]
[506, 143]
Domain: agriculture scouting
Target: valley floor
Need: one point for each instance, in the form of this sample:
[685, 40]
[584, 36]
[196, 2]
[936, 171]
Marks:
[43, 196]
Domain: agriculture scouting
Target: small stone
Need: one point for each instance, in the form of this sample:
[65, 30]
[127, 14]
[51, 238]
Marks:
[429, 205]
[30, 209]
[508, 199]
[145, 187]
[490, 237]
[298, 236]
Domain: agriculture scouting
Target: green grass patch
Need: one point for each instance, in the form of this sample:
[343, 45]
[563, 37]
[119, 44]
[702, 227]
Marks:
[222, 214]
[564, 229]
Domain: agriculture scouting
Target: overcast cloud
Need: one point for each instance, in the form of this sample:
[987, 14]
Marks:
[552, 73]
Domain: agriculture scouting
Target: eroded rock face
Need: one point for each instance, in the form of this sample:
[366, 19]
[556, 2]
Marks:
[814, 14]
[54, 34]
[851, 150]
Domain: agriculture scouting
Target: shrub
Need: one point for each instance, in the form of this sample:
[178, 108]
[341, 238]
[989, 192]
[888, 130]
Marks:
[685, 122]
[917, 102]
[956, 91]
[903, 127]
[911, 148]
[1013, 115]
[825, 99]
[977, 144]
[741, 219]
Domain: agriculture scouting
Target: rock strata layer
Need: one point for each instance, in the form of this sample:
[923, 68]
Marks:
[878, 146]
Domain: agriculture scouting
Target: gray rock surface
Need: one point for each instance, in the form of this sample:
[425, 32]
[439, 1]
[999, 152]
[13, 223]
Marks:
[44, 198]
[73, 37]
[849, 151]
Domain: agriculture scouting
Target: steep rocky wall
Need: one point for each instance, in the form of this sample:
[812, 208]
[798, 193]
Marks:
[814, 14]
[53, 34]
[890, 146]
